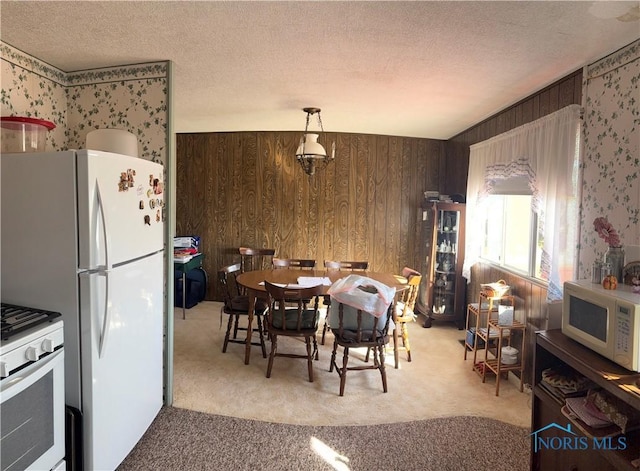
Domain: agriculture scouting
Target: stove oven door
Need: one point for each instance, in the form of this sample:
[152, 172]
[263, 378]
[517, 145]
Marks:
[32, 408]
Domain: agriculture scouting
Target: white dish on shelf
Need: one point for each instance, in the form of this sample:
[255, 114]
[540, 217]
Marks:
[509, 355]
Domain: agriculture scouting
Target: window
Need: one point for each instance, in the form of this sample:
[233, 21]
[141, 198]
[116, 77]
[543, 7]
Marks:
[510, 234]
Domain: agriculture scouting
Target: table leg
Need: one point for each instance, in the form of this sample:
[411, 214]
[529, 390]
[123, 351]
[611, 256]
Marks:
[184, 295]
[252, 308]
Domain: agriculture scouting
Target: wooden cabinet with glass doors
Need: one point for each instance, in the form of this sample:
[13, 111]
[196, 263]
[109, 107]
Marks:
[445, 290]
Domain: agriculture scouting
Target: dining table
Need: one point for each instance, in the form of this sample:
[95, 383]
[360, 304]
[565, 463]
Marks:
[253, 283]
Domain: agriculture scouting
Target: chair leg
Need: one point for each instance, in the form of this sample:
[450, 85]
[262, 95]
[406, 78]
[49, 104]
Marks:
[261, 334]
[324, 332]
[383, 372]
[333, 357]
[265, 330]
[343, 375]
[226, 336]
[274, 344]
[366, 357]
[325, 327]
[235, 326]
[396, 348]
[309, 359]
[405, 340]
[316, 352]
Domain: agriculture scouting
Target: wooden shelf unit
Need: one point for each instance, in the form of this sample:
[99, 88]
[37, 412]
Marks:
[484, 314]
[495, 365]
[478, 317]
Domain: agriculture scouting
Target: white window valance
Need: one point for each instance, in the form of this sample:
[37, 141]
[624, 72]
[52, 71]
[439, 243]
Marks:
[512, 178]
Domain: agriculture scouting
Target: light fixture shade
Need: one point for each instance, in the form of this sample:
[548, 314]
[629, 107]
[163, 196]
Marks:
[310, 154]
[310, 147]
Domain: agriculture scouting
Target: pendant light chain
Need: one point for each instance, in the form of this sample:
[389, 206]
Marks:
[320, 122]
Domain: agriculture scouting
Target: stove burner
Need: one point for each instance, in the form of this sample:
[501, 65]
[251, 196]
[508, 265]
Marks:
[15, 319]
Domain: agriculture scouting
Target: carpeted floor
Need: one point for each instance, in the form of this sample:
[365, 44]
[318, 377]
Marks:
[437, 383]
[181, 439]
[437, 415]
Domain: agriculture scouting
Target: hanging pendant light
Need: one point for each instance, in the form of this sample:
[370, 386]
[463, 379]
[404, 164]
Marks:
[310, 154]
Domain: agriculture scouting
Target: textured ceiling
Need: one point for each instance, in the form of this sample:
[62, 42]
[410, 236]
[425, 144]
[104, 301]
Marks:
[421, 69]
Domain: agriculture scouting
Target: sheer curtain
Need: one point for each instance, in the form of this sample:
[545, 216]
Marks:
[545, 154]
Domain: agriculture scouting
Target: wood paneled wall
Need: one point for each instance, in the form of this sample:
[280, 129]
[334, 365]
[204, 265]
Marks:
[246, 189]
[531, 297]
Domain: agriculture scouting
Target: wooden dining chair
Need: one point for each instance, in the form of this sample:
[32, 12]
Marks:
[346, 265]
[404, 313]
[353, 328]
[236, 306]
[301, 320]
[300, 263]
[406, 273]
[296, 263]
[333, 265]
[255, 259]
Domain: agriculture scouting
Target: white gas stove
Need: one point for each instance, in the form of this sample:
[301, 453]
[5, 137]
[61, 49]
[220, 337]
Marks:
[32, 403]
[27, 335]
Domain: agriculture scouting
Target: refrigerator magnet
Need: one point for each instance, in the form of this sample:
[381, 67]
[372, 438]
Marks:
[141, 204]
[157, 186]
[126, 180]
[147, 220]
[122, 184]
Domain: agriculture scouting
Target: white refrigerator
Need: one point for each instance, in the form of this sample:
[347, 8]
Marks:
[82, 234]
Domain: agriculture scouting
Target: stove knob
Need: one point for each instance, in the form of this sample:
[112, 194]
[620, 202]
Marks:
[4, 370]
[31, 353]
[47, 345]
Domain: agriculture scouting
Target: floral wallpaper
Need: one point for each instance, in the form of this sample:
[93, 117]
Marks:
[34, 89]
[132, 98]
[611, 154]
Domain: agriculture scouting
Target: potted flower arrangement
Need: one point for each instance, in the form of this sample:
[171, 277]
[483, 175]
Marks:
[615, 252]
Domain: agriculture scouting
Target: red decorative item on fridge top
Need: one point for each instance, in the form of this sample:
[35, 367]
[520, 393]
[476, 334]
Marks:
[22, 134]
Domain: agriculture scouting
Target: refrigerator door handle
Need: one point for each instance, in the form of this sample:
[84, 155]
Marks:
[106, 318]
[105, 232]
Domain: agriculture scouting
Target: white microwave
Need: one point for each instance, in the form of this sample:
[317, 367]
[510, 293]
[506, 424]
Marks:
[606, 321]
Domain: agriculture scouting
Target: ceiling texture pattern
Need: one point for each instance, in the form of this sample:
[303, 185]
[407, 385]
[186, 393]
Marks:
[415, 69]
